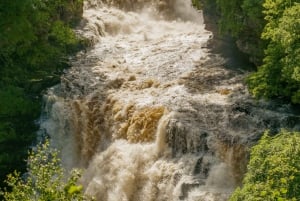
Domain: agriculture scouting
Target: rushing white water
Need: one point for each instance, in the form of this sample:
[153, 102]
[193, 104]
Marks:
[148, 112]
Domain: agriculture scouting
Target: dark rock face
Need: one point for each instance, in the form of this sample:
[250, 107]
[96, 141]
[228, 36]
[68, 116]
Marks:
[244, 51]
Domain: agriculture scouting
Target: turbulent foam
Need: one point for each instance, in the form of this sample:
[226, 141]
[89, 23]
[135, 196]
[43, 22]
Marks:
[148, 112]
[171, 9]
[146, 19]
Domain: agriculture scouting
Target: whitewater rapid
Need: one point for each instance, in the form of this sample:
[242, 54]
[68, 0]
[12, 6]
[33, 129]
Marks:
[148, 112]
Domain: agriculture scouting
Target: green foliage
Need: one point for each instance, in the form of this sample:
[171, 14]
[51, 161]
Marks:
[279, 74]
[36, 37]
[273, 171]
[45, 179]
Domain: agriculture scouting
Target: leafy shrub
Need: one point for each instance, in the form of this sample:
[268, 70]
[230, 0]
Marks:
[279, 76]
[273, 171]
[45, 180]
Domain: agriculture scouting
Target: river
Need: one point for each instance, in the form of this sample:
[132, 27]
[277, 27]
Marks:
[149, 112]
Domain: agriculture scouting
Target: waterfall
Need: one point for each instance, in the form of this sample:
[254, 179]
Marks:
[148, 112]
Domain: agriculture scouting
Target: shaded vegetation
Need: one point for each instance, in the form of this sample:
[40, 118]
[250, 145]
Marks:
[35, 41]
